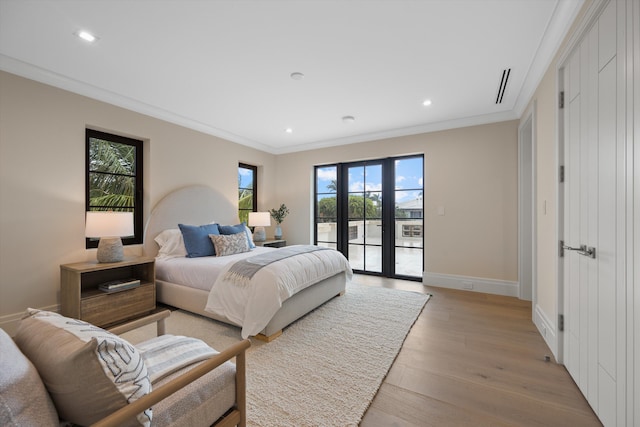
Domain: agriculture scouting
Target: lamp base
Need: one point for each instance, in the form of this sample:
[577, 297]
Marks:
[110, 249]
[259, 235]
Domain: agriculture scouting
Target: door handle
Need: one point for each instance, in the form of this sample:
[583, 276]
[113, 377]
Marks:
[589, 251]
[585, 250]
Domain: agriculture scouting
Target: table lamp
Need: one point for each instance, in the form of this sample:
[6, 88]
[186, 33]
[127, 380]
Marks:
[109, 227]
[259, 220]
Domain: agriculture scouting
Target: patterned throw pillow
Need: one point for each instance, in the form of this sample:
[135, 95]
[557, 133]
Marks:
[88, 371]
[230, 244]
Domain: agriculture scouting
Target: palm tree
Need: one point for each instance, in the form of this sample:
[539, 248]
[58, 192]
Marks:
[112, 175]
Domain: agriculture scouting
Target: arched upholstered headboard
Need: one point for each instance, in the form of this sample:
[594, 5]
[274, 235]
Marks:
[195, 204]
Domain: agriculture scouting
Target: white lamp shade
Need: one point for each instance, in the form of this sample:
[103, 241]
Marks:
[259, 219]
[109, 224]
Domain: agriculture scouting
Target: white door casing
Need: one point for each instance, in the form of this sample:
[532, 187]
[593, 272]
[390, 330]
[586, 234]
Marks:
[526, 207]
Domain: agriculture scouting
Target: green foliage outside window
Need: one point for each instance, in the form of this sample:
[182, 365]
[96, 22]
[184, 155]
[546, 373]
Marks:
[359, 207]
[112, 170]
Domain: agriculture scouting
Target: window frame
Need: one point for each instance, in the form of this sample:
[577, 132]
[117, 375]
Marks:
[254, 207]
[138, 211]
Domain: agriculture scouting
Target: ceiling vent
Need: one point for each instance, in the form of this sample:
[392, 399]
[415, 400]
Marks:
[503, 85]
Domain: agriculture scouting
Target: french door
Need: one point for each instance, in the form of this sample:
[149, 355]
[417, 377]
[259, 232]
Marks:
[372, 211]
[592, 226]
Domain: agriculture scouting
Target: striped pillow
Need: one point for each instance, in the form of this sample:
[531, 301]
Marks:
[88, 372]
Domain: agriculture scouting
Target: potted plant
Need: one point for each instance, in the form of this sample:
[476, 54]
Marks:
[279, 215]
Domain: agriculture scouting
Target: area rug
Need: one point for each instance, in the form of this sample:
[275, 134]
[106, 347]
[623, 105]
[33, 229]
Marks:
[326, 368]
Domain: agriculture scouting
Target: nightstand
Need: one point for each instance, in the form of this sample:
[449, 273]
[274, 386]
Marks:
[80, 297]
[272, 243]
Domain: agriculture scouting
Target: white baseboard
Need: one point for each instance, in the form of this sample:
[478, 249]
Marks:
[547, 329]
[473, 284]
[9, 322]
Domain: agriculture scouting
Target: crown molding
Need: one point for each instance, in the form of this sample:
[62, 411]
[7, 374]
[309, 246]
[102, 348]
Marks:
[557, 29]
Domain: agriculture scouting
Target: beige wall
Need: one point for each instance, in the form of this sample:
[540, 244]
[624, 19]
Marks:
[545, 100]
[42, 180]
[471, 172]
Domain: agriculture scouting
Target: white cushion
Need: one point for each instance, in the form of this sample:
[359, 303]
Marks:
[171, 243]
[23, 399]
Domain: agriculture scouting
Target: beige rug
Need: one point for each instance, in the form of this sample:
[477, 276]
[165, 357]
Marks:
[326, 368]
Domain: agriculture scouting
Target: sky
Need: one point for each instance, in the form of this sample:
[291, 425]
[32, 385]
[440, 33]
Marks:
[245, 177]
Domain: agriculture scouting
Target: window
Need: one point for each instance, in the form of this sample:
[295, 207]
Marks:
[247, 191]
[114, 178]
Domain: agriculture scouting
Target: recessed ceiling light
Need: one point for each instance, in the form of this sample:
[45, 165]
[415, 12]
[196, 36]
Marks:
[348, 119]
[86, 36]
[288, 130]
[426, 102]
[297, 76]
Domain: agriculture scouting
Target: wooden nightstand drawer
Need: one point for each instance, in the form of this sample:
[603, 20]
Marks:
[102, 309]
[80, 297]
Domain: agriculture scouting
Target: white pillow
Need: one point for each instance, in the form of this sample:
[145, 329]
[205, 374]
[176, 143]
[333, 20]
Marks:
[171, 244]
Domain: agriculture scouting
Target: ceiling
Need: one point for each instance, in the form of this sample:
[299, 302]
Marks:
[224, 67]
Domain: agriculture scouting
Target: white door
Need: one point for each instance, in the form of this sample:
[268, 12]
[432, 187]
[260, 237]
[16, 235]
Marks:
[593, 222]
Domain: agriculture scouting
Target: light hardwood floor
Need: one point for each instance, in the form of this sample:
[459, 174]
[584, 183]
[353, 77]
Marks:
[474, 359]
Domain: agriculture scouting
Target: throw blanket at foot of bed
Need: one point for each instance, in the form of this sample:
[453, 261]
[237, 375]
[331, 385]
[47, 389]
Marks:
[242, 271]
[253, 304]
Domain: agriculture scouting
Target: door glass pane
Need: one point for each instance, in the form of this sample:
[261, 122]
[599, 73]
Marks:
[327, 232]
[356, 179]
[373, 232]
[373, 178]
[326, 209]
[373, 258]
[356, 257]
[409, 262]
[356, 231]
[409, 173]
[374, 200]
[326, 180]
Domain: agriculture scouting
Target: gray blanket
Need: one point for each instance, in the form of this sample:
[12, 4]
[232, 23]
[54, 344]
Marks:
[241, 272]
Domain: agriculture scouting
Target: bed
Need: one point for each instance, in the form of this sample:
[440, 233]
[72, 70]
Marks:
[203, 205]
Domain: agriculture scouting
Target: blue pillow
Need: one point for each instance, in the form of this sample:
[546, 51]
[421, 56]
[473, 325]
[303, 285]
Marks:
[197, 241]
[235, 229]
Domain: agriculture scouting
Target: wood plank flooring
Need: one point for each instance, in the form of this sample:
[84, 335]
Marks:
[474, 359]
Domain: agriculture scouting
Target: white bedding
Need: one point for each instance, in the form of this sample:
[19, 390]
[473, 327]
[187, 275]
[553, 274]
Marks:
[200, 273]
[254, 305]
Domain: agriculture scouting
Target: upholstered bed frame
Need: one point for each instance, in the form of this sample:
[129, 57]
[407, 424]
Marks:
[200, 204]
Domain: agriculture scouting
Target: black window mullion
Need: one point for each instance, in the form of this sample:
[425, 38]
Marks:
[342, 209]
[388, 217]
